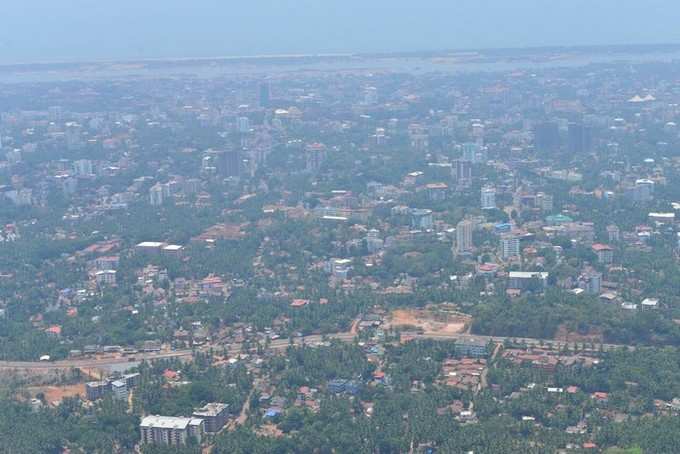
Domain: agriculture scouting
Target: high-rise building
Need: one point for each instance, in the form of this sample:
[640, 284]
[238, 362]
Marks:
[13, 156]
[227, 163]
[73, 135]
[265, 94]
[543, 201]
[55, 113]
[472, 152]
[373, 241]
[231, 165]
[243, 125]
[579, 138]
[83, 167]
[315, 154]
[464, 237]
[509, 246]
[643, 191]
[591, 281]
[370, 95]
[463, 171]
[156, 194]
[420, 141]
[613, 233]
[546, 137]
[191, 186]
[488, 198]
[421, 219]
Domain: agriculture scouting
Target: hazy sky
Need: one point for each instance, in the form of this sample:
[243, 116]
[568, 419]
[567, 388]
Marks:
[56, 30]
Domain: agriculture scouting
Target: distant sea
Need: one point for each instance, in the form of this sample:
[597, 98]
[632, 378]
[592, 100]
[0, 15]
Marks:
[263, 66]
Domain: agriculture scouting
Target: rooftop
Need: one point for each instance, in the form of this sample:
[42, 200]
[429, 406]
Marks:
[211, 409]
[150, 244]
[168, 422]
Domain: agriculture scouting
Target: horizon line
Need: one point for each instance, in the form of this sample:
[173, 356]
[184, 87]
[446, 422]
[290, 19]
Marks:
[639, 47]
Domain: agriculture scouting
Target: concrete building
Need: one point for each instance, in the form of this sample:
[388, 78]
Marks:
[613, 233]
[579, 138]
[370, 95]
[149, 247]
[544, 202]
[105, 277]
[649, 303]
[643, 191]
[463, 170]
[464, 237]
[546, 137]
[156, 195]
[373, 241]
[243, 125]
[471, 152]
[83, 167]
[315, 154]
[527, 280]
[170, 430]
[509, 247]
[605, 254]
[421, 219]
[591, 282]
[118, 386]
[488, 199]
[471, 346]
[265, 94]
[339, 268]
[119, 390]
[214, 416]
[172, 250]
[436, 192]
[96, 389]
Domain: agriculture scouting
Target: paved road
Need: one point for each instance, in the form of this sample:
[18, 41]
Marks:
[525, 340]
[274, 345]
[90, 362]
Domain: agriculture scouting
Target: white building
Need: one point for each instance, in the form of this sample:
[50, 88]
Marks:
[243, 124]
[523, 280]
[105, 277]
[488, 198]
[339, 268]
[83, 167]
[544, 201]
[370, 95]
[373, 241]
[650, 303]
[156, 195]
[170, 430]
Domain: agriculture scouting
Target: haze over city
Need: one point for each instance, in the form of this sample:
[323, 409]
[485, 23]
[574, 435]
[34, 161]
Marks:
[71, 30]
[328, 227]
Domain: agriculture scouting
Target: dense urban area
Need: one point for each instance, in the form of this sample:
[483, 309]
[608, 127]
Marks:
[369, 260]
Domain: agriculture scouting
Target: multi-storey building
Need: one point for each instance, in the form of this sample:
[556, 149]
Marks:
[509, 246]
[214, 416]
[488, 198]
[170, 430]
[464, 237]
